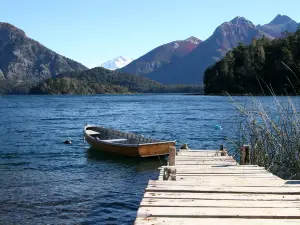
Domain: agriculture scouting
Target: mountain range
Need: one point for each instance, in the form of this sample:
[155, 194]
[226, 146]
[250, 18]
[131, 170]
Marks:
[189, 68]
[24, 62]
[116, 63]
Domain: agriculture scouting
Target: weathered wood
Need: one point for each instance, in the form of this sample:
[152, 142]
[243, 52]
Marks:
[149, 202]
[223, 163]
[180, 156]
[266, 175]
[191, 171]
[226, 182]
[200, 153]
[223, 196]
[213, 221]
[204, 157]
[221, 177]
[200, 212]
[172, 154]
[169, 173]
[245, 155]
[216, 167]
[214, 189]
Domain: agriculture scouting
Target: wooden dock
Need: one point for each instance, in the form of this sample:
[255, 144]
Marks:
[214, 189]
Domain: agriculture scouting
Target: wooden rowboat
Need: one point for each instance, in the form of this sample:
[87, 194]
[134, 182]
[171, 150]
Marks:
[126, 144]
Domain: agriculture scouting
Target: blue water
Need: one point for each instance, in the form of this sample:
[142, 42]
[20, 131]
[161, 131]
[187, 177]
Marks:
[44, 181]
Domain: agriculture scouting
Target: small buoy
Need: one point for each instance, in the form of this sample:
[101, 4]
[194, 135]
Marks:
[219, 127]
[68, 142]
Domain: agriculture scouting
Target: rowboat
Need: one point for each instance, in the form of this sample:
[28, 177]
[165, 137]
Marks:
[126, 144]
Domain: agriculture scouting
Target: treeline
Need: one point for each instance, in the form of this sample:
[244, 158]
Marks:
[263, 67]
[99, 81]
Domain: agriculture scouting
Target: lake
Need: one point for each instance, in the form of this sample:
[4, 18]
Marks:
[45, 181]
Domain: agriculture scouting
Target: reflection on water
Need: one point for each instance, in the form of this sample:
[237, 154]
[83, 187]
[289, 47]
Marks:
[139, 164]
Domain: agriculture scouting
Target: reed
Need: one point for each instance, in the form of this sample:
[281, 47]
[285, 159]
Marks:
[273, 133]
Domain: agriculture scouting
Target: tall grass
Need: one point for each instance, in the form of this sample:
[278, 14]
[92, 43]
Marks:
[273, 133]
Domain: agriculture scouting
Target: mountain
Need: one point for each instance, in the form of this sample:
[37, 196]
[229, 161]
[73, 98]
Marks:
[279, 25]
[25, 62]
[161, 55]
[116, 63]
[99, 80]
[190, 68]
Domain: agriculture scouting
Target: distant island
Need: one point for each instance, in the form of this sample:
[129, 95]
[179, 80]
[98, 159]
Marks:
[263, 67]
[100, 81]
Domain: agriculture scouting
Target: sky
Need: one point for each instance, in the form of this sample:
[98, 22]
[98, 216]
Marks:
[95, 31]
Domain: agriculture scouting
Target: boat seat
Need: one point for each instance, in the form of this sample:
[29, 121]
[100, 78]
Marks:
[114, 140]
[91, 132]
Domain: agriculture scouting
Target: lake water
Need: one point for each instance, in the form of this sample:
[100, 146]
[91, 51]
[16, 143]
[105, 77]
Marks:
[44, 181]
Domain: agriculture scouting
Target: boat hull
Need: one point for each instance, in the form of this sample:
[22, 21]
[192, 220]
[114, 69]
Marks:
[139, 150]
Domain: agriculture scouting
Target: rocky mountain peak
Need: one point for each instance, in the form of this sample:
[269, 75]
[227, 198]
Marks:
[11, 29]
[236, 26]
[193, 40]
[280, 19]
[241, 21]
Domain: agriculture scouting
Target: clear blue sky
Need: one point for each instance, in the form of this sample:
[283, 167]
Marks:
[94, 31]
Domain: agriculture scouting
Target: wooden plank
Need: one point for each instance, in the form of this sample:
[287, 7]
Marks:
[205, 159]
[199, 212]
[220, 177]
[212, 189]
[213, 221]
[267, 176]
[190, 171]
[217, 182]
[212, 167]
[181, 157]
[223, 196]
[224, 163]
[202, 157]
[223, 171]
[199, 153]
[149, 202]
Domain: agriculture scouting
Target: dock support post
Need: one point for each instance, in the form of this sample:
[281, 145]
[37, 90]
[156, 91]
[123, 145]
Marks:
[245, 155]
[223, 151]
[172, 155]
[170, 170]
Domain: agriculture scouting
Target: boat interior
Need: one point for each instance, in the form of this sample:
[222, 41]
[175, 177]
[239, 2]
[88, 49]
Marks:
[117, 137]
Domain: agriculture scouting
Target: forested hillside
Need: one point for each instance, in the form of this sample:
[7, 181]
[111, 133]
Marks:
[258, 67]
[99, 81]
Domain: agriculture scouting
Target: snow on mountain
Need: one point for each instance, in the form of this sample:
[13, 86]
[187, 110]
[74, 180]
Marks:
[116, 63]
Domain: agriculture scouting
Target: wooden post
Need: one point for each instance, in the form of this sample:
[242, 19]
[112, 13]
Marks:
[172, 154]
[223, 151]
[170, 170]
[245, 155]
